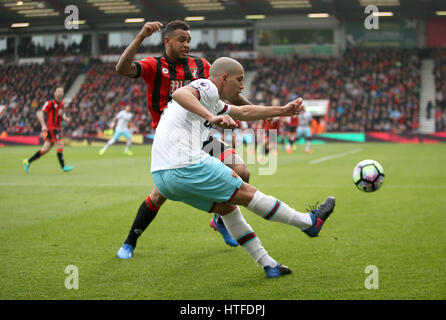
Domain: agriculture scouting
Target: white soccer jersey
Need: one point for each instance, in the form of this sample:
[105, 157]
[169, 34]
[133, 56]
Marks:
[305, 119]
[123, 120]
[180, 133]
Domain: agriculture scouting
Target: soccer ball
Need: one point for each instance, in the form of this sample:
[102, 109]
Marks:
[368, 175]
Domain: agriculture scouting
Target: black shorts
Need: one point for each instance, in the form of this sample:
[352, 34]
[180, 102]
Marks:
[291, 129]
[51, 135]
[222, 151]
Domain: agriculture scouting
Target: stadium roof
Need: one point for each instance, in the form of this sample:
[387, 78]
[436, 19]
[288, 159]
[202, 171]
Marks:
[50, 15]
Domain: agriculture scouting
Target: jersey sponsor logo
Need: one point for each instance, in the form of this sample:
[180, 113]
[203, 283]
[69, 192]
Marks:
[207, 124]
[176, 84]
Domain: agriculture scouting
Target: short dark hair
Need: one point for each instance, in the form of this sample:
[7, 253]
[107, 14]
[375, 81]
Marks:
[174, 25]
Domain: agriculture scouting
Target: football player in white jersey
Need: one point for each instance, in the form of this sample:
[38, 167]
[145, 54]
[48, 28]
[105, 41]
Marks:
[182, 171]
[122, 129]
[304, 129]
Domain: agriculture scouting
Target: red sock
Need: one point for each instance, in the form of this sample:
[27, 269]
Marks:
[150, 205]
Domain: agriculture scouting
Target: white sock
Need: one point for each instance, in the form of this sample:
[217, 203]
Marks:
[272, 209]
[308, 145]
[127, 146]
[245, 236]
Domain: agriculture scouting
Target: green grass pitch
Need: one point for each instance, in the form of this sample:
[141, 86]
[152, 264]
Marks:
[51, 220]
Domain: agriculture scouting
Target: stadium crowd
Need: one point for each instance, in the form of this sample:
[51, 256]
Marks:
[439, 108]
[369, 90]
[25, 88]
[103, 94]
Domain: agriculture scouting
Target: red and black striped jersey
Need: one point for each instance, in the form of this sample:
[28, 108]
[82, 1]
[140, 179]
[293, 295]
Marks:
[54, 111]
[268, 124]
[293, 121]
[163, 77]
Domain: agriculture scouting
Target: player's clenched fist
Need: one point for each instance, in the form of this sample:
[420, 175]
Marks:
[294, 107]
[224, 121]
[149, 28]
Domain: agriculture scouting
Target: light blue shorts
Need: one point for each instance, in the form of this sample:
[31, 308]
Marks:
[306, 132]
[118, 134]
[200, 185]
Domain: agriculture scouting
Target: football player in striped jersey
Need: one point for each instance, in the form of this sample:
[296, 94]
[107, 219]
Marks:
[163, 75]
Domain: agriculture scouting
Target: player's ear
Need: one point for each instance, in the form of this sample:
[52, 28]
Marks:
[166, 40]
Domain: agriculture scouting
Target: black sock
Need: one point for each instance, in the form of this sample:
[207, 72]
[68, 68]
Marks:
[61, 159]
[34, 157]
[142, 220]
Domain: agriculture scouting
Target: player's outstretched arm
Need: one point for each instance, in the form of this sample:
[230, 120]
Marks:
[125, 65]
[240, 100]
[187, 97]
[253, 112]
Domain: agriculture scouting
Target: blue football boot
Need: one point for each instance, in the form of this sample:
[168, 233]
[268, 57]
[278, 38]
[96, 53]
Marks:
[220, 227]
[26, 165]
[126, 251]
[67, 168]
[277, 271]
[319, 215]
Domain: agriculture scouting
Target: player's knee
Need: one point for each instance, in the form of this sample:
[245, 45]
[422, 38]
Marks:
[157, 198]
[45, 149]
[224, 208]
[243, 172]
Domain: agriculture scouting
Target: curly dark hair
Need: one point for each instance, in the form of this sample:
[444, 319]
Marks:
[174, 25]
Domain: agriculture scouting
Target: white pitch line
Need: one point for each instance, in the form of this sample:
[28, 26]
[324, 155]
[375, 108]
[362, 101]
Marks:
[338, 155]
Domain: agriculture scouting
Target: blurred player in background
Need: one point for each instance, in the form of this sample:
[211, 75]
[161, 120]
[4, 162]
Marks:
[163, 75]
[263, 137]
[304, 129]
[121, 120]
[291, 131]
[51, 129]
